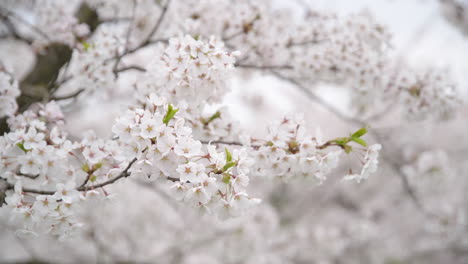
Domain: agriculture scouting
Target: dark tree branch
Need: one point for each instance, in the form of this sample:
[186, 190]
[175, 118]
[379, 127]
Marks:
[69, 96]
[132, 67]
[30, 176]
[123, 174]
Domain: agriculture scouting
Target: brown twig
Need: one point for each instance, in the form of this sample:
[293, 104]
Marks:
[123, 174]
[132, 67]
[68, 96]
[146, 42]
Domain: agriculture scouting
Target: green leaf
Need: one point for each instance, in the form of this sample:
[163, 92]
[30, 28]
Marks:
[229, 165]
[97, 166]
[360, 141]
[213, 117]
[86, 45]
[361, 132]
[228, 155]
[348, 149]
[226, 178]
[85, 168]
[171, 111]
[21, 146]
[341, 141]
[92, 178]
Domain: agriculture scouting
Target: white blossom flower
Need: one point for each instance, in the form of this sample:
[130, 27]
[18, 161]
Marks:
[192, 172]
[187, 147]
[67, 192]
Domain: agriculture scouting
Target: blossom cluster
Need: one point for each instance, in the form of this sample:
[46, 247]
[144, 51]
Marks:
[50, 176]
[339, 49]
[190, 70]
[57, 21]
[428, 95]
[94, 61]
[350, 51]
[164, 147]
[427, 168]
[50, 172]
[193, 74]
[9, 90]
[289, 151]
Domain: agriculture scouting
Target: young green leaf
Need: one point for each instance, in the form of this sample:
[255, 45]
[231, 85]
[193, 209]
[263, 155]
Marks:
[92, 178]
[86, 168]
[226, 178]
[361, 132]
[348, 149]
[228, 155]
[86, 45]
[213, 117]
[171, 111]
[21, 146]
[229, 165]
[360, 141]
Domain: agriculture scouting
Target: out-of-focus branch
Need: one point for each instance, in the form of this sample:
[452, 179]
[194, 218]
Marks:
[7, 13]
[68, 96]
[265, 67]
[148, 40]
[235, 143]
[131, 67]
[456, 12]
[319, 100]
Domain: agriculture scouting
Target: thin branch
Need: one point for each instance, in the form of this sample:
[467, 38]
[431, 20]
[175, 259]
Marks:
[264, 67]
[23, 21]
[146, 42]
[127, 40]
[29, 190]
[235, 143]
[132, 67]
[303, 43]
[13, 31]
[246, 28]
[123, 174]
[384, 112]
[69, 96]
[233, 35]
[394, 165]
[129, 30]
[154, 41]
[404, 179]
[157, 25]
[30, 176]
[320, 101]
[115, 20]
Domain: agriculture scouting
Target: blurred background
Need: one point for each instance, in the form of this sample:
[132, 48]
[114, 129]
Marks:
[386, 219]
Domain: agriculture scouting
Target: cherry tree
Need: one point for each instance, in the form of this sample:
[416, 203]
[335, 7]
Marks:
[168, 67]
